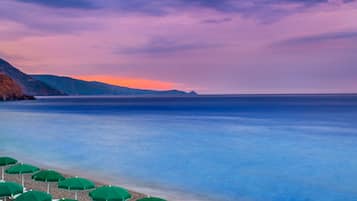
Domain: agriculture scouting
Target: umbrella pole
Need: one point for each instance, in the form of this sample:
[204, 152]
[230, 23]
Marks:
[2, 173]
[76, 195]
[48, 187]
[22, 181]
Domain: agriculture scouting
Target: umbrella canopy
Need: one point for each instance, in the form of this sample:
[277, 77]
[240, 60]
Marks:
[22, 169]
[7, 161]
[9, 189]
[34, 196]
[151, 199]
[48, 176]
[76, 184]
[4, 161]
[109, 193]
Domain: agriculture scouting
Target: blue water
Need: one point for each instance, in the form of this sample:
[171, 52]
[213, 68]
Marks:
[231, 148]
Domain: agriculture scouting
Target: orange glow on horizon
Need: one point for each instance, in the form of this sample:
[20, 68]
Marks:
[138, 83]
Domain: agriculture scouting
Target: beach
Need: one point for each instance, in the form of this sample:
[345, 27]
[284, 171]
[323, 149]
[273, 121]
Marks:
[136, 188]
[57, 193]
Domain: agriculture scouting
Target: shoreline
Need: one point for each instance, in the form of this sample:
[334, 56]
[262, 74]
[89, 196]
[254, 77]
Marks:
[62, 193]
[136, 189]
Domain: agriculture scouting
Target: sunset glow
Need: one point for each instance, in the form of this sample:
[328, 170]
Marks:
[129, 82]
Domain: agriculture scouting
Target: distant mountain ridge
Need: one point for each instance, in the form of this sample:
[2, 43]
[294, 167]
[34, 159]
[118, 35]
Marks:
[28, 84]
[73, 86]
[52, 85]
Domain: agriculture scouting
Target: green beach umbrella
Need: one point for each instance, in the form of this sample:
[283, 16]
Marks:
[22, 169]
[10, 189]
[151, 199]
[109, 193]
[34, 196]
[76, 184]
[48, 176]
[4, 161]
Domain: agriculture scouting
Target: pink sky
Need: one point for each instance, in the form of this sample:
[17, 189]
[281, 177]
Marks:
[217, 47]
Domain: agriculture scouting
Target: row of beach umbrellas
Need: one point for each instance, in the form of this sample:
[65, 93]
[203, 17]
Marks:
[10, 189]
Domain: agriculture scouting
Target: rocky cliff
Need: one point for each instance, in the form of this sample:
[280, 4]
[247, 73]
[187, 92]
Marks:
[10, 90]
[28, 84]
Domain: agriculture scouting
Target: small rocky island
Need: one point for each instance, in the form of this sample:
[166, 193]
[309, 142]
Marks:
[10, 90]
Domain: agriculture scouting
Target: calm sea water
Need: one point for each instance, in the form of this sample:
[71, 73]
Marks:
[229, 148]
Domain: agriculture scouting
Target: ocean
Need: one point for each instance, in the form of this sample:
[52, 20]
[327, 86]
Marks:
[228, 148]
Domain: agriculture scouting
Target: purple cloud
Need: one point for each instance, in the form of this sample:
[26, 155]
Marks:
[160, 45]
[160, 7]
[217, 21]
[320, 38]
[42, 21]
[80, 4]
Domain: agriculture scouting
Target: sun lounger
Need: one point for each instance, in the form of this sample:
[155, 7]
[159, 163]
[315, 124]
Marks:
[17, 195]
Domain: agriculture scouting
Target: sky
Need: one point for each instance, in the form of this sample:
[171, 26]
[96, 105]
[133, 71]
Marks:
[210, 46]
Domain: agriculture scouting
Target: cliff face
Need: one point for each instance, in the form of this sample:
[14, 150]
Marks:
[9, 90]
[28, 84]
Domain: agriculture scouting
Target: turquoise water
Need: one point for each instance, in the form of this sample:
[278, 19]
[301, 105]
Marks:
[249, 148]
